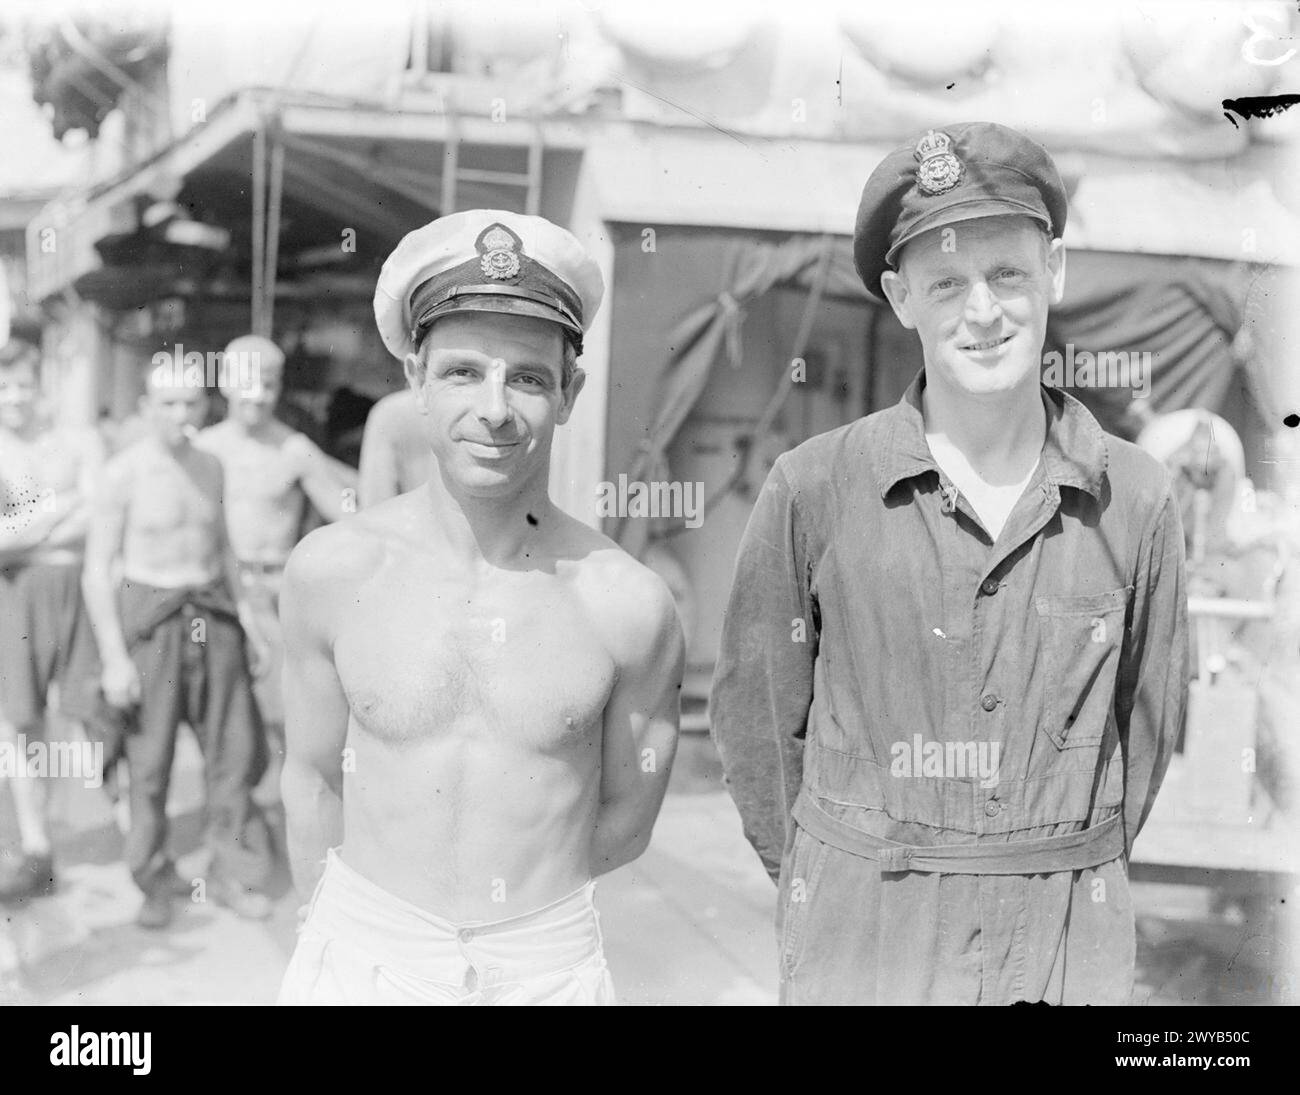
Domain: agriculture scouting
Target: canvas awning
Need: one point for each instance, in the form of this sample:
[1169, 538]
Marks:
[312, 166]
[1186, 313]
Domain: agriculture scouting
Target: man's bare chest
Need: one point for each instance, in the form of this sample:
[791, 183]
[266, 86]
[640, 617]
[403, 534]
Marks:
[165, 498]
[521, 662]
[257, 473]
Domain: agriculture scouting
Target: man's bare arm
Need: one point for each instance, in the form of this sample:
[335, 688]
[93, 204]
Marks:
[103, 549]
[28, 526]
[316, 712]
[53, 518]
[640, 728]
[229, 564]
[72, 526]
[377, 478]
[325, 481]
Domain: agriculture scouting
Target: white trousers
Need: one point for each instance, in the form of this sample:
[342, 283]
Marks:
[362, 945]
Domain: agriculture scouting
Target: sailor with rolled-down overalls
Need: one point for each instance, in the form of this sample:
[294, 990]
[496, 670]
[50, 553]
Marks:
[955, 655]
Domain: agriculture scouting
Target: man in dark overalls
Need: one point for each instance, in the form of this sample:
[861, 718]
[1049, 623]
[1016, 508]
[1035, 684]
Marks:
[955, 656]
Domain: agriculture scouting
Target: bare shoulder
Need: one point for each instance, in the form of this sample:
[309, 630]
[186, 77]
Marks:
[82, 442]
[125, 463]
[211, 438]
[343, 554]
[295, 445]
[394, 405]
[395, 416]
[121, 475]
[285, 436]
[628, 601]
[90, 444]
[334, 556]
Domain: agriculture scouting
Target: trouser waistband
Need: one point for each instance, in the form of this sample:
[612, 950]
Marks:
[255, 566]
[45, 557]
[349, 907]
[1068, 852]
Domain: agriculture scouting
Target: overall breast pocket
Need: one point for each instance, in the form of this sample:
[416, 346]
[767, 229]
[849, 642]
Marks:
[1082, 638]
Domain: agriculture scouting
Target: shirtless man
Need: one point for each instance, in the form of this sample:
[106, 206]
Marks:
[482, 692]
[395, 456]
[45, 476]
[270, 473]
[172, 649]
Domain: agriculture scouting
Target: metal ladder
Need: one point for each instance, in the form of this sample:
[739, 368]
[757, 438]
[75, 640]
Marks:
[455, 171]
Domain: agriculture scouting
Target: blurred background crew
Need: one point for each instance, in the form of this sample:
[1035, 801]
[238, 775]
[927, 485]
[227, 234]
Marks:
[271, 472]
[46, 473]
[395, 455]
[1241, 551]
[172, 650]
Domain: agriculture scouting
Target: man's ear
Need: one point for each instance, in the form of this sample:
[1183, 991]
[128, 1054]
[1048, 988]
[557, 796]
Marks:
[1056, 269]
[896, 292]
[415, 369]
[569, 396]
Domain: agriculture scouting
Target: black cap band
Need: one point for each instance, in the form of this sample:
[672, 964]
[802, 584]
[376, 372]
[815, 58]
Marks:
[534, 291]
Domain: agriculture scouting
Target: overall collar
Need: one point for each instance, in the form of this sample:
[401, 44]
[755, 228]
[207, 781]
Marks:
[1074, 454]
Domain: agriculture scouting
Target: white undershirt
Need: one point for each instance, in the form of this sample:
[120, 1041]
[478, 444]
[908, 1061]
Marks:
[993, 505]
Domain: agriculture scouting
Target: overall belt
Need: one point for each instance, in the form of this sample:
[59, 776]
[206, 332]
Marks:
[1047, 855]
[257, 566]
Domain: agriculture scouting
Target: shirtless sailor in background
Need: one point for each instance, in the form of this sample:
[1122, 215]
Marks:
[46, 473]
[482, 692]
[395, 454]
[172, 649]
[271, 471]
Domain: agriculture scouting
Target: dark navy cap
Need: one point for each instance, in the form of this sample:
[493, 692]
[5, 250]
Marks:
[957, 173]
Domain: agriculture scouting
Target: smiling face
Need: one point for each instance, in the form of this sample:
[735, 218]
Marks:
[491, 387]
[252, 398]
[977, 293]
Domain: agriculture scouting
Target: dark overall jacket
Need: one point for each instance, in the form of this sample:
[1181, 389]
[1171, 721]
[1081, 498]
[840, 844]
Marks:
[941, 745]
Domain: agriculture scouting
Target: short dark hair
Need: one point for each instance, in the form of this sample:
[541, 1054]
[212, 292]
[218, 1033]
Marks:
[570, 363]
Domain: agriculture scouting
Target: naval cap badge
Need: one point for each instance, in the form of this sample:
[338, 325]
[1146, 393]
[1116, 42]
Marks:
[499, 249]
[938, 169]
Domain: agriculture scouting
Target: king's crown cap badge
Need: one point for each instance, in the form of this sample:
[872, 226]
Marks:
[498, 253]
[938, 169]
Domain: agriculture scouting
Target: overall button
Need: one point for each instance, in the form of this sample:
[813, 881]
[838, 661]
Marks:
[990, 586]
[466, 934]
[992, 808]
[989, 701]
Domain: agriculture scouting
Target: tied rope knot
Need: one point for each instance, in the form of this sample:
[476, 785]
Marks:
[733, 323]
